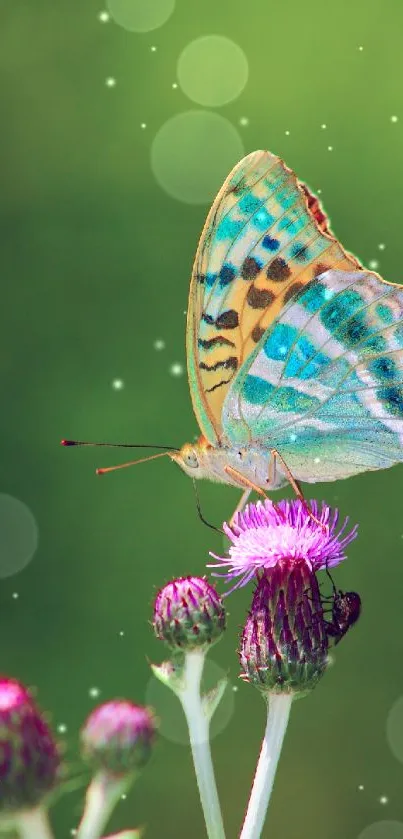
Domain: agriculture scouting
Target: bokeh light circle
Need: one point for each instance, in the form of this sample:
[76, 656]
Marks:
[382, 830]
[140, 15]
[192, 154]
[172, 722]
[394, 729]
[18, 535]
[212, 70]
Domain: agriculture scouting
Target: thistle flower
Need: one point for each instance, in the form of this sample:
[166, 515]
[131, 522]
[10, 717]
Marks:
[29, 755]
[285, 638]
[189, 613]
[118, 737]
[266, 533]
[284, 642]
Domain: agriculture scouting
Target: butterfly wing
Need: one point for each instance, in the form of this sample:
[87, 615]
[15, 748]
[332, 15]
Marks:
[324, 386]
[265, 237]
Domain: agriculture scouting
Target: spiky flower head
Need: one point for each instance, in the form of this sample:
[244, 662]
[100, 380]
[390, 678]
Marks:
[29, 755]
[118, 737]
[285, 639]
[284, 643]
[189, 613]
[266, 533]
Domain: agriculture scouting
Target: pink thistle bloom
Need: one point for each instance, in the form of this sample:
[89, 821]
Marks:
[30, 760]
[118, 736]
[266, 533]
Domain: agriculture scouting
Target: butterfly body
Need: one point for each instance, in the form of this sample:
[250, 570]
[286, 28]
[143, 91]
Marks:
[235, 466]
[291, 345]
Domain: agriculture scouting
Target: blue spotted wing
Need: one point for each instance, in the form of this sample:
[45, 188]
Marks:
[265, 237]
[324, 385]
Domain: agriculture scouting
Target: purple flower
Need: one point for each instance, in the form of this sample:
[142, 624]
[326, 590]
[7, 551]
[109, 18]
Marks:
[284, 642]
[266, 533]
[29, 755]
[118, 736]
[189, 613]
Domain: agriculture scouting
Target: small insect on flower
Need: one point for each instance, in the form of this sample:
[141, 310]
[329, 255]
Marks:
[346, 609]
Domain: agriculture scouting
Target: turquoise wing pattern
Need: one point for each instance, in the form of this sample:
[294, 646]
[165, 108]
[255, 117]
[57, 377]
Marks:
[324, 385]
[265, 237]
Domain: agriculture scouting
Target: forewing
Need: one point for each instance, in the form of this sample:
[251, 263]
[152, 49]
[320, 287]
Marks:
[265, 237]
[325, 384]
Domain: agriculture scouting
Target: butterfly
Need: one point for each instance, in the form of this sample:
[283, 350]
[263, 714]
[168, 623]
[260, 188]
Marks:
[294, 350]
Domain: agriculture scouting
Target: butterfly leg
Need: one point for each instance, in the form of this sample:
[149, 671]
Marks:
[241, 503]
[276, 456]
[243, 482]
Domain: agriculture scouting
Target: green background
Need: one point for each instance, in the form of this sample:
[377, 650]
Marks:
[96, 262]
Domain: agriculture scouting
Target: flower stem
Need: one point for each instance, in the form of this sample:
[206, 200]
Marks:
[33, 824]
[102, 796]
[199, 723]
[279, 707]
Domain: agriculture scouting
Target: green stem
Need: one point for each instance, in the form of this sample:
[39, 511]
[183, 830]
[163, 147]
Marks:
[33, 824]
[102, 796]
[199, 724]
[279, 707]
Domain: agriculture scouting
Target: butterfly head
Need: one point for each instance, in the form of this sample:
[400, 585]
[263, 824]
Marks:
[193, 458]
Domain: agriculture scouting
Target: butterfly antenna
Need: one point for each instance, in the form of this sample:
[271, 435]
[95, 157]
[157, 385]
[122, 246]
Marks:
[201, 517]
[117, 445]
[103, 470]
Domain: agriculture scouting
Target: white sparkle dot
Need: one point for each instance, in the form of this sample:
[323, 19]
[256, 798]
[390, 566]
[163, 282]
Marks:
[175, 86]
[235, 688]
[384, 799]
[330, 148]
[159, 344]
[176, 369]
[104, 17]
[15, 595]
[143, 125]
[330, 661]
[110, 81]
[118, 384]
[73, 831]
[360, 48]
[94, 693]
[374, 264]
[121, 633]
[293, 437]
[381, 246]
[124, 796]
[319, 191]
[62, 728]
[394, 118]
[316, 460]
[361, 787]
[153, 49]
[287, 133]
[244, 121]
[282, 350]
[323, 125]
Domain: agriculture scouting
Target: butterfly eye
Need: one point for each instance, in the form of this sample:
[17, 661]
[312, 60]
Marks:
[191, 459]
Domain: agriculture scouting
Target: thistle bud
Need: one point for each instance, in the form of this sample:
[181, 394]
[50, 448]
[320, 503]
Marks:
[29, 755]
[188, 613]
[284, 643]
[118, 737]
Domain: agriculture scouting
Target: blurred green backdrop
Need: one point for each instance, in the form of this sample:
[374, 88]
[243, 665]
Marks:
[96, 262]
